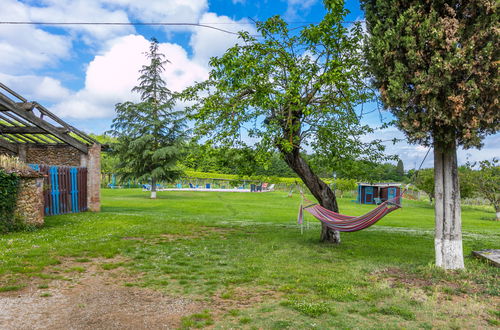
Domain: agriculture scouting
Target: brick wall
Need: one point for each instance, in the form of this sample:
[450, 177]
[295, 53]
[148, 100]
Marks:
[93, 163]
[30, 201]
[53, 155]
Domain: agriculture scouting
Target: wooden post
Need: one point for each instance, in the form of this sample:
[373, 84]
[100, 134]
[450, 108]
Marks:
[448, 230]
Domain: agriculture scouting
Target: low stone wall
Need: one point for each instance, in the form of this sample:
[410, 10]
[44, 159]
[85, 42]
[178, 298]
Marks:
[30, 201]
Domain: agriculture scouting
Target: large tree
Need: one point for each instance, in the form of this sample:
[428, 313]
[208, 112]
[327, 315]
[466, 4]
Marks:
[150, 134]
[436, 66]
[288, 90]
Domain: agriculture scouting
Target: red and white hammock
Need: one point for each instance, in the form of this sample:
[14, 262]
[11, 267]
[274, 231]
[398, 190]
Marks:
[346, 223]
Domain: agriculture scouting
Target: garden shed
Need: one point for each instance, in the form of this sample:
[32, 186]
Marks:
[375, 193]
[68, 158]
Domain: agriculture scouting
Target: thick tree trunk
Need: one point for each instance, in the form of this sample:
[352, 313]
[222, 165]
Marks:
[153, 188]
[497, 210]
[448, 233]
[318, 188]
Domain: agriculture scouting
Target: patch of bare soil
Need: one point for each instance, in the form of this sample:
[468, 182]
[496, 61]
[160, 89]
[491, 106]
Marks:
[94, 299]
[241, 298]
[396, 276]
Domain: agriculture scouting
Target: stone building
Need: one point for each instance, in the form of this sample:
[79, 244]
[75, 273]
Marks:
[37, 136]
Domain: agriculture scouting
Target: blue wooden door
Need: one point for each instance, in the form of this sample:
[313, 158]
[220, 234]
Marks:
[391, 193]
[368, 195]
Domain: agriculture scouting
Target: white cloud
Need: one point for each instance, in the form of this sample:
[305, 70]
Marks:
[413, 155]
[296, 7]
[162, 10]
[111, 76]
[121, 11]
[83, 11]
[207, 43]
[42, 89]
[24, 47]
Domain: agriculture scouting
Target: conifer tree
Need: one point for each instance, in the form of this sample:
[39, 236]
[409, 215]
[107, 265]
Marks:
[150, 133]
[400, 169]
[435, 64]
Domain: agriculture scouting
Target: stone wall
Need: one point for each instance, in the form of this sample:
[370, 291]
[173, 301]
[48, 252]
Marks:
[51, 155]
[6, 152]
[30, 201]
[69, 156]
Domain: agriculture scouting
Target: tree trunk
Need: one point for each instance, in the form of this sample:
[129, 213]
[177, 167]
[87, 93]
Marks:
[318, 188]
[497, 210]
[448, 232]
[153, 188]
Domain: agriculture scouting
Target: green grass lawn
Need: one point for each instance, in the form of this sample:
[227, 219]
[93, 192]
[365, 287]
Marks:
[246, 251]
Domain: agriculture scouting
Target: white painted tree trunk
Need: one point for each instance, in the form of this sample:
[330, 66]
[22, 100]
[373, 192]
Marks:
[153, 188]
[448, 231]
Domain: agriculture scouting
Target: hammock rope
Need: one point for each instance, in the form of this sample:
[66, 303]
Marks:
[347, 223]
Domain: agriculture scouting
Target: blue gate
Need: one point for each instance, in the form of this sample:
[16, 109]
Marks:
[65, 188]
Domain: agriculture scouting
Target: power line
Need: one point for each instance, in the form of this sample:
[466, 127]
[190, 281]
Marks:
[204, 25]
[118, 24]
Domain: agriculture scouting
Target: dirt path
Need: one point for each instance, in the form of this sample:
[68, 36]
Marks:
[94, 300]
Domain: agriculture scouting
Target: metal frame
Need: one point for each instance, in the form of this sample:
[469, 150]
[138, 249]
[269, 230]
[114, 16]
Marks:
[26, 123]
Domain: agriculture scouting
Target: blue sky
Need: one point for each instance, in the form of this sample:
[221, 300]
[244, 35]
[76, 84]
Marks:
[81, 72]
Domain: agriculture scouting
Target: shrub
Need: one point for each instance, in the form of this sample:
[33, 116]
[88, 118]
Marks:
[9, 187]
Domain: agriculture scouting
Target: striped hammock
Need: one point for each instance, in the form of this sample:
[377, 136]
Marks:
[346, 223]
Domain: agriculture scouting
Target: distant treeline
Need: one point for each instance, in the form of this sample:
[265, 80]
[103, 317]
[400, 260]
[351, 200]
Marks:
[246, 162]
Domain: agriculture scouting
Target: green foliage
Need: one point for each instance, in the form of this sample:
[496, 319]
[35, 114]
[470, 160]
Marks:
[436, 66]
[11, 288]
[466, 178]
[109, 161]
[400, 169]
[312, 309]
[103, 139]
[398, 311]
[150, 133]
[486, 181]
[364, 170]
[197, 320]
[206, 158]
[425, 182]
[239, 161]
[289, 89]
[9, 187]
[341, 184]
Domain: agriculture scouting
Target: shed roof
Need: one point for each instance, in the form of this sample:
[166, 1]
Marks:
[389, 184]
[30, 123]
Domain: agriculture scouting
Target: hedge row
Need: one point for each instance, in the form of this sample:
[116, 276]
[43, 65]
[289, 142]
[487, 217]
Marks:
[341, 184]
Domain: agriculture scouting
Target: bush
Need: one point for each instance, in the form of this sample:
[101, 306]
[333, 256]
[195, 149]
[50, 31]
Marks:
[9, 187]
